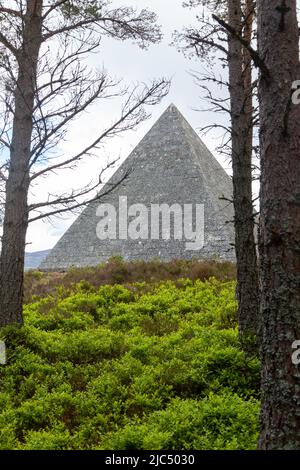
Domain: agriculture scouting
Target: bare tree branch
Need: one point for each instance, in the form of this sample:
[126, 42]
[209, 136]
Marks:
[257, 60]
[131, 115]
[10, 11]
[71, 202]
[8, 45]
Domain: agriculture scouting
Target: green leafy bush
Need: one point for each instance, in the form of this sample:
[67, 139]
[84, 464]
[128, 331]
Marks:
[138, 367]
[217, 422]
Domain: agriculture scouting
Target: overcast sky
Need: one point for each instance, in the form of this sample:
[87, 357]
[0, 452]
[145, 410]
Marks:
[127, 61]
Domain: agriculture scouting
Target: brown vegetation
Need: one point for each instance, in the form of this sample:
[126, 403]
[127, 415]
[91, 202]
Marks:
[117, 271]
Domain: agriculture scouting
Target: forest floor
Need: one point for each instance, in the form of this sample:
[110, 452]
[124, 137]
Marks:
[106, 362]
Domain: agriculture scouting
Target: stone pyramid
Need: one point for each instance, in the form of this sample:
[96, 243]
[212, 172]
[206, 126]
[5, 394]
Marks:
[171, 165]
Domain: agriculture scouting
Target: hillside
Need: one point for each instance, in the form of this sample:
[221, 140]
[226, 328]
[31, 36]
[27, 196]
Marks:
[137, 365]
[33, 260]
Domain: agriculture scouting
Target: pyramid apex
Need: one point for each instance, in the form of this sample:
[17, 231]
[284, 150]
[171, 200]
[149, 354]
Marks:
[172, 107]
[170, 112]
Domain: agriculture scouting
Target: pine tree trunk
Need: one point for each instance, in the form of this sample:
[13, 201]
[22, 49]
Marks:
[16, 211]
[280, 224]
[240, 87]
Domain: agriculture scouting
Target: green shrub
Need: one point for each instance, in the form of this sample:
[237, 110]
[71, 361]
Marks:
[155, 366]
[58, 438]
[218, 422]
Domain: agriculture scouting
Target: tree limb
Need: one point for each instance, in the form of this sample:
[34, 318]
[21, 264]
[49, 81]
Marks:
[257, 60]
[8, 45]
[76, 204]
[10, 11]
[159, 87]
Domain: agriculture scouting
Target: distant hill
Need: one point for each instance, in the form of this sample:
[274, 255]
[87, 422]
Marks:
[33, 260]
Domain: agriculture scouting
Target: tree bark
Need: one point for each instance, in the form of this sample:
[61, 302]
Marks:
[280, 224]
[16, 211]
[240, 88]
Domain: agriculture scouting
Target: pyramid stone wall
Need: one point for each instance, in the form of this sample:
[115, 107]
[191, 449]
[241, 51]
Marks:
[170, 165]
